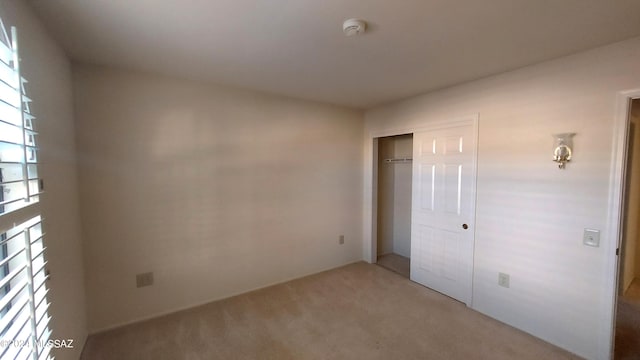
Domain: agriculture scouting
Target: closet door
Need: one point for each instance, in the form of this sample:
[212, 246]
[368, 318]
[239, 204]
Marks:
[443, 208]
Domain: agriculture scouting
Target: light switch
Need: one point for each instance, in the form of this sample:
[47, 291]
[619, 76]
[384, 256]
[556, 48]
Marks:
[591, 237]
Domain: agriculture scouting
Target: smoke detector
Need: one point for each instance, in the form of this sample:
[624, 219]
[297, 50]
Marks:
[353, 27]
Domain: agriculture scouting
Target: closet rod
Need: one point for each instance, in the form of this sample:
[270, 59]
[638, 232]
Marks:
[398, 160]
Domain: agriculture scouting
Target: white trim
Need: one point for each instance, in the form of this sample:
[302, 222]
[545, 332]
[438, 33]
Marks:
[374, 199]
[474, 197]
[433, 125]
[370, 196]
[369, 235]
[614, 219]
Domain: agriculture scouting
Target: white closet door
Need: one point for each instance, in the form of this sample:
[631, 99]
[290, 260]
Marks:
[443, 210]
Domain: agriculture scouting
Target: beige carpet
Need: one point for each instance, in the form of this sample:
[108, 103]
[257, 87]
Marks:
[359, 311]
[396, 263]
[627, 346]
[632, 294]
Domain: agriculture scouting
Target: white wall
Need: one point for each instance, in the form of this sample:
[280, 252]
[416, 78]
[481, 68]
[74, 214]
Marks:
[49, 73]
[531, 215]
[216, 190]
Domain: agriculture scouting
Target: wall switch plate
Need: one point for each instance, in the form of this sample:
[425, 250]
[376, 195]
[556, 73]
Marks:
[591, 237]
[341, 239]
[144, 279]
[503, 280]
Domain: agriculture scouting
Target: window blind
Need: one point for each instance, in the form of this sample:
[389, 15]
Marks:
[24, 319]
[19, 183]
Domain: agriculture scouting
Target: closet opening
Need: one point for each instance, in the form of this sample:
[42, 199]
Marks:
[394, 173]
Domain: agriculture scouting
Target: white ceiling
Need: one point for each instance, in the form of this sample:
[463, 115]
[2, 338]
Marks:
[296, 47]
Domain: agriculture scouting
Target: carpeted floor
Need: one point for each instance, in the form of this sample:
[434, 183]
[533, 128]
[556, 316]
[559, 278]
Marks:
[359, 311]
[396, 263]
[632, 294]
[627, 346]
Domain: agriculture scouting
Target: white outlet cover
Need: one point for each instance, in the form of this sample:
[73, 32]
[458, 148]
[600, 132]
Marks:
[591, 237]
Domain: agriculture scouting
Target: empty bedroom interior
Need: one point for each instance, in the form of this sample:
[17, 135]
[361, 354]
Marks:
[219, 191]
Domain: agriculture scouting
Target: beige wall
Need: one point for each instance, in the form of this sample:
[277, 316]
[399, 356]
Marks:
[216, 190]
[632, 198]
[632, 210]
[46, 67]
[630, 268]
[403, 148]
[631, 253]
[530, 215]
[386, 179]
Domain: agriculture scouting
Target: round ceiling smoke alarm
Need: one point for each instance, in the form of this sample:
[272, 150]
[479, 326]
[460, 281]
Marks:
[353, 27]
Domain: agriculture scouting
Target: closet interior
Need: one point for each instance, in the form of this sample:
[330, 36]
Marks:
[394, 203]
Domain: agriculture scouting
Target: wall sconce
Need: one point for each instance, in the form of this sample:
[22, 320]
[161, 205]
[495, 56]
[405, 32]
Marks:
[562, 148]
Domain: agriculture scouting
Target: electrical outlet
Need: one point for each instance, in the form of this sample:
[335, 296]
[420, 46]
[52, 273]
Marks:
[144, 279]
[503, 280]
[341, 240]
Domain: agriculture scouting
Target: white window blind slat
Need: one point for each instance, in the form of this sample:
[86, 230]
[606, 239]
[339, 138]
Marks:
[12, 275]
[11, 172]
[6, 54]
[45, 353]
[7, 75]
[37, 266]
[6, 122]
[13, 335]
[9, 299]
[16, 310]
[43, 340]
[22, 341]
[13, 193]
[37, 241]
[42, 329]
[39, 279]
[24, 354]
[17, 353]
[12, 204]
[40, 294]
[37, 252]
[11, 133]
[9, 258]
[10, 95]
[10, 114]
[11, 153]
[41, 314]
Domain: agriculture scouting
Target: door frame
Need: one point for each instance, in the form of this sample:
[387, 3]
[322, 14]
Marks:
[616, 213]
[370, 193]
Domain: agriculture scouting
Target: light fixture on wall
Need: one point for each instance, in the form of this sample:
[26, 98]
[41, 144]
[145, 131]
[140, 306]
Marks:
[563, 149]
